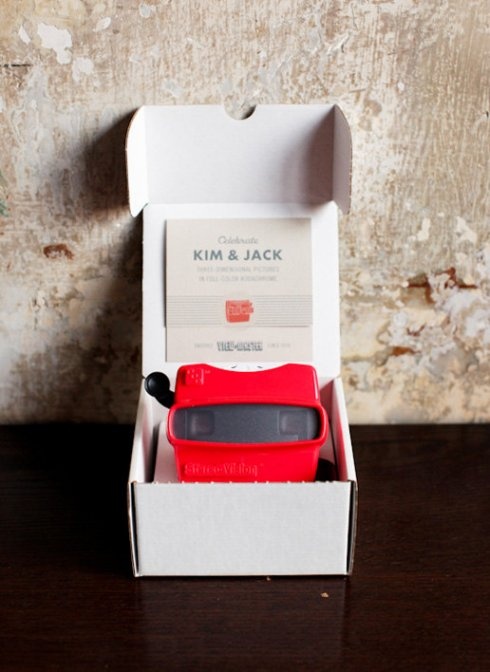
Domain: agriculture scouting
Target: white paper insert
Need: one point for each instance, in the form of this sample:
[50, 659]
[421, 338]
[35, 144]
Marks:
[239, 290]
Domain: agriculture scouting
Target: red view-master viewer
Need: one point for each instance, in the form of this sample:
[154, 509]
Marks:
[265, 425]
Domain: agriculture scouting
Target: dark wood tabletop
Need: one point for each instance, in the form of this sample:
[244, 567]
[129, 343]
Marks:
[419, 597]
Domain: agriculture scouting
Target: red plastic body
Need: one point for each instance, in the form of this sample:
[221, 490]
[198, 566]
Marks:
[292, 385]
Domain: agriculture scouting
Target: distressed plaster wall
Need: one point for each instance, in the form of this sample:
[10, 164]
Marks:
[413, 78]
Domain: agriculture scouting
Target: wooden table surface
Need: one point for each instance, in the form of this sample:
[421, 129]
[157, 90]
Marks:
[419, 597]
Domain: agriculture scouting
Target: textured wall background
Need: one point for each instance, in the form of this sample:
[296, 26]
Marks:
[413, 78]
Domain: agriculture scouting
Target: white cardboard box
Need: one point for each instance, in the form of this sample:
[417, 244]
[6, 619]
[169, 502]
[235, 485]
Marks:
[197, 162]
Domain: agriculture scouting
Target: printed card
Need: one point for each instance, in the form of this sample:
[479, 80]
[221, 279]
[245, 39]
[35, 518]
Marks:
[238, 290]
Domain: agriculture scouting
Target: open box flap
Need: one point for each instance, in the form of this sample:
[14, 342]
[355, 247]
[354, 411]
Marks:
[199, 154]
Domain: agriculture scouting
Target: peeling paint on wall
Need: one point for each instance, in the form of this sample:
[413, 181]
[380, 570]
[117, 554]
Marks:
[57, 250]
[57, 39]
[82, 67]
[413, 79]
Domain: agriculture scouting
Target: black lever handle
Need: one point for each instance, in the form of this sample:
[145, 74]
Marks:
[157, 385]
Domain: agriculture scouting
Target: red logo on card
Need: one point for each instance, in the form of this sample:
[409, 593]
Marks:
[239, 310]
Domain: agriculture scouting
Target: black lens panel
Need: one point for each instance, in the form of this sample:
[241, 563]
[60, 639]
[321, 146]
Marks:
[246, 423]
[201, 423]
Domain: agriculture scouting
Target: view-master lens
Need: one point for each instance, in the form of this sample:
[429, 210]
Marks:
[246, 423]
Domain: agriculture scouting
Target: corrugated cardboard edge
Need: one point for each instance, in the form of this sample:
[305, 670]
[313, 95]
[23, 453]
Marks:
[342, 159]
[136, 163]
[139, 471]
[350, 469]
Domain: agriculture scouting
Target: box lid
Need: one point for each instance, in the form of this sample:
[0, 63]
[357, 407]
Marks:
[292, 160]
[199, 154]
